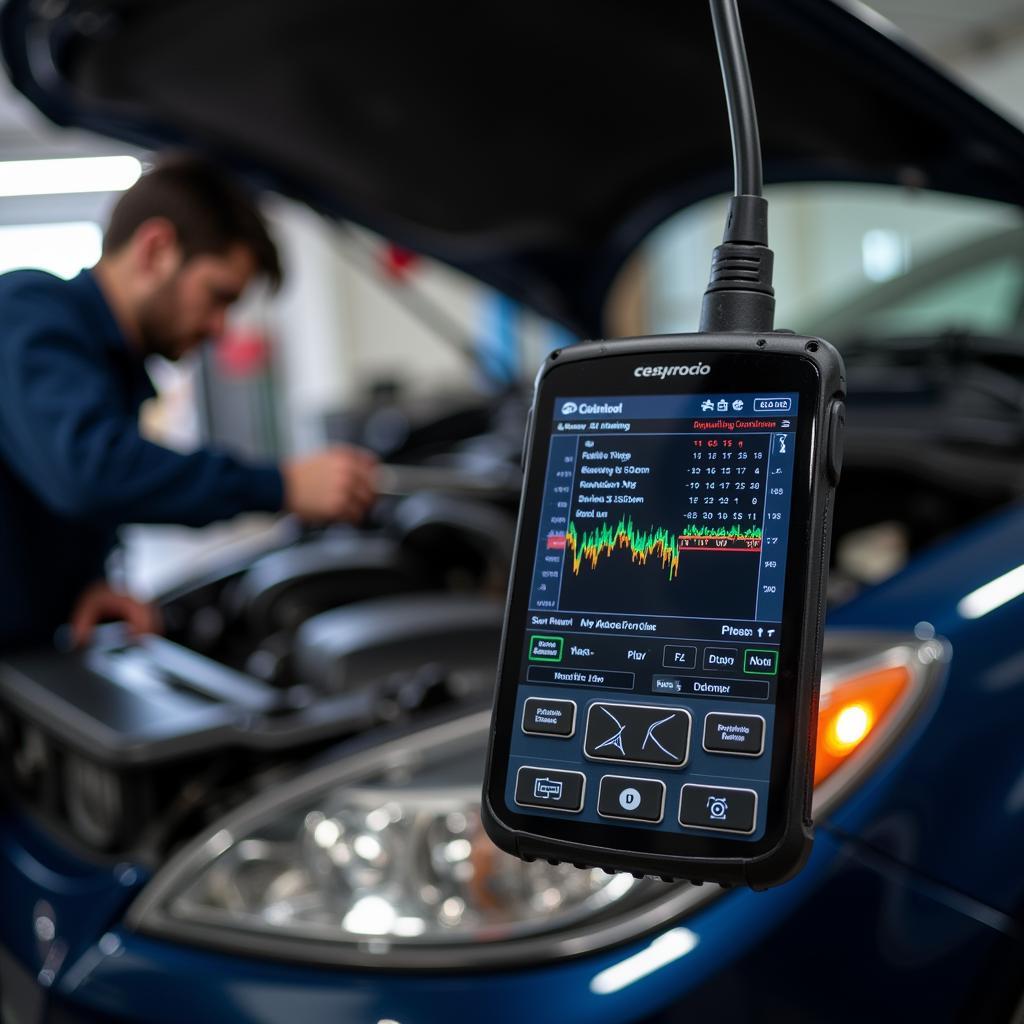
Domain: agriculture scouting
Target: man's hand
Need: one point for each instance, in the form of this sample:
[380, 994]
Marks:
[338, 483]
[100, 602]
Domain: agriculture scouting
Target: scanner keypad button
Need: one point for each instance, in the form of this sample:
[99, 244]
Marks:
[631, 799]
[733, 734]
[721, 808]
[543, 717]
[550, 788]
[637, 734]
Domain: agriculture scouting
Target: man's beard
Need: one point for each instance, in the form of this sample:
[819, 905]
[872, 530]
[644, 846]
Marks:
[157, 321]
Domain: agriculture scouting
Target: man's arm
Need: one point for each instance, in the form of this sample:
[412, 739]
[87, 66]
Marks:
[337, 483]
[64, 429]
[100, 602]
[66, 432]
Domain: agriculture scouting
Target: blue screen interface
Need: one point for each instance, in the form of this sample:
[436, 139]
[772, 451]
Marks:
[650, 660]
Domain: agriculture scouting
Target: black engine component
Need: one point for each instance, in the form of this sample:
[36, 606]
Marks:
[340, 649]
[284, 588]
[130, 745]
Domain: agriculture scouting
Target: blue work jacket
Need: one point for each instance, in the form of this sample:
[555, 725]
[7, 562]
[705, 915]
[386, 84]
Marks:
[73, 465]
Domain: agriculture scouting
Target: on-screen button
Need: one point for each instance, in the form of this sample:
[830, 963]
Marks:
[543, 717]
[550, 788]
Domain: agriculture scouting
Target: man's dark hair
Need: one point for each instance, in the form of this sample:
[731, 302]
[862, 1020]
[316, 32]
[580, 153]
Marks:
[210, 211]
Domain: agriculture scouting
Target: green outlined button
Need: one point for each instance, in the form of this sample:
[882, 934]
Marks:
[760, 662]
[546, 648]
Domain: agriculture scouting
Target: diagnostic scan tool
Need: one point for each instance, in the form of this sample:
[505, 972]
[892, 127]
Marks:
[659, 672]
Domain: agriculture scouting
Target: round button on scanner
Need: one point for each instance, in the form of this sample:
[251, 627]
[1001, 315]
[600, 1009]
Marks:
[631, 799]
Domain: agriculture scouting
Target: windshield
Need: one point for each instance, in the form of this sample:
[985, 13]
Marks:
[853, 263]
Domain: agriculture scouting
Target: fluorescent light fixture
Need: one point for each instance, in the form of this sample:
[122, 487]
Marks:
[993, 595]
[68, 175]
[62, 249]
[662, 951]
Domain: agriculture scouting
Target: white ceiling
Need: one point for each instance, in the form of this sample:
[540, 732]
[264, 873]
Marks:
[25, 133]
[956, 29]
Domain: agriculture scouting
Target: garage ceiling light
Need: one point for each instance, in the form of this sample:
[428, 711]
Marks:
[68, 175]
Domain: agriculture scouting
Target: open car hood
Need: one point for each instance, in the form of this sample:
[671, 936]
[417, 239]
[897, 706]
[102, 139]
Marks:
[530, 144]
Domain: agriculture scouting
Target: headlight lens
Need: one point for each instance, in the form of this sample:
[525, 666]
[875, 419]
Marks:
[383, 851]
[403, 865]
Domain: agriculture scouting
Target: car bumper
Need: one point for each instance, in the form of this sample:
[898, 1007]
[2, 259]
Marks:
[854, 936]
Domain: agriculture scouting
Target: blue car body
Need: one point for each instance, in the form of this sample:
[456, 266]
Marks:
[912, 906]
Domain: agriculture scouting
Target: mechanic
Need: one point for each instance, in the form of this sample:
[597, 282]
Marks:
[181, 247]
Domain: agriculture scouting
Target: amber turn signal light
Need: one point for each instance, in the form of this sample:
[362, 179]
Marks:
[850, 710]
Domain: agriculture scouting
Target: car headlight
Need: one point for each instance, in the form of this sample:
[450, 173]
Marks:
[382, 852]
[874, 688]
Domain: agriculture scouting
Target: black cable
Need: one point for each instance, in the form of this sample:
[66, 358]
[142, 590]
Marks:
[739, 98]
[739, 296]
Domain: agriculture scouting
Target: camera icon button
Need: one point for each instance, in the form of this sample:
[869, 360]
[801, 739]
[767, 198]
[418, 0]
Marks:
[721, 808]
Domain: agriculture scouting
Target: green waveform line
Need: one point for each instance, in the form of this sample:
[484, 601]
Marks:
[658, 541]
[728, 532]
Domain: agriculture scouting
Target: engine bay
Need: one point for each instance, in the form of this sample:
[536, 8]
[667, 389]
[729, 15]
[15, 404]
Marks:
[334, 636]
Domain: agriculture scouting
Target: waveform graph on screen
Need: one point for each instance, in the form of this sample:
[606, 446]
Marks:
[641, 545]
[659, 543]
[650, 568]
